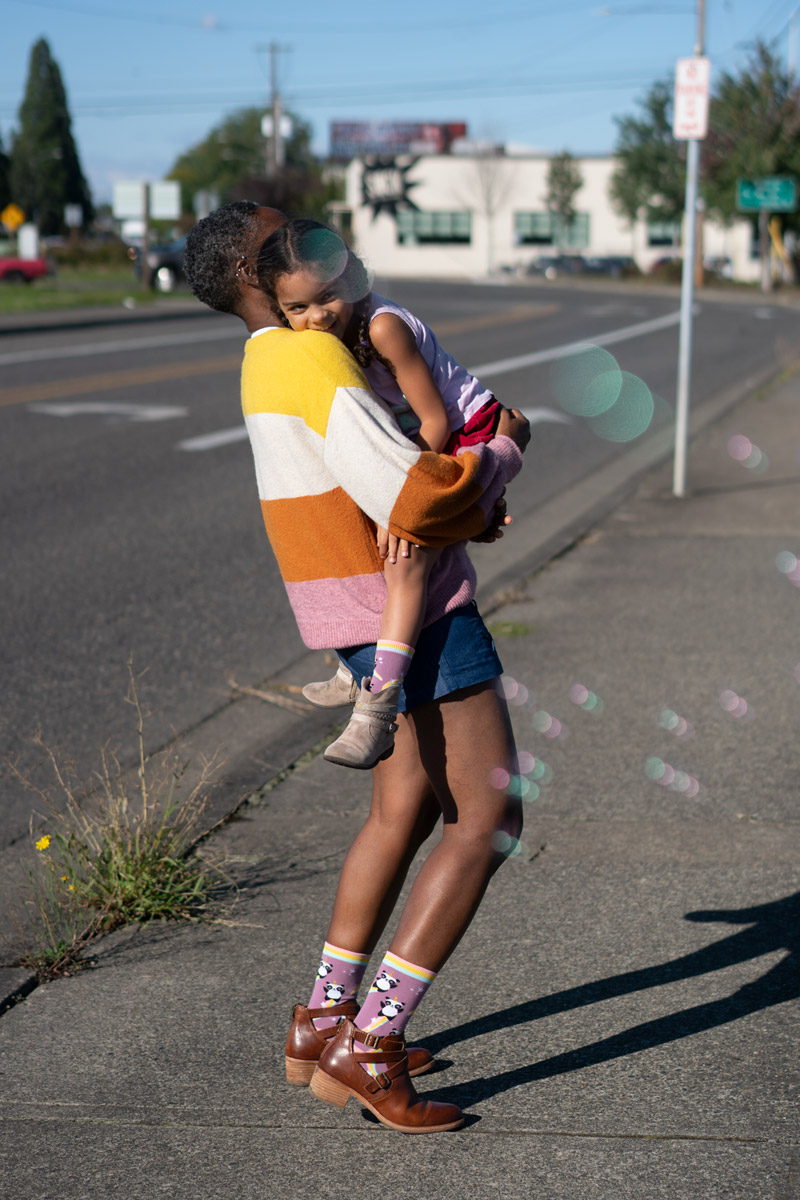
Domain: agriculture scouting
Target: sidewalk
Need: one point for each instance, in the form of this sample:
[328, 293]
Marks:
[620, 1020]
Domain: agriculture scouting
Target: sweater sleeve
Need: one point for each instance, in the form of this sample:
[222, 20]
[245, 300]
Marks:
[433, 499]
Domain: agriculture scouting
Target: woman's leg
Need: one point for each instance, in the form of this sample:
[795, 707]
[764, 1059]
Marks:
[402, 816]
[459, 740]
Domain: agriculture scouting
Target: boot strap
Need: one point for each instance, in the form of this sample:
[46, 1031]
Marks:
[362, 712]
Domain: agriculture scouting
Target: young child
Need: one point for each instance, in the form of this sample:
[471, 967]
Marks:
[316, 283]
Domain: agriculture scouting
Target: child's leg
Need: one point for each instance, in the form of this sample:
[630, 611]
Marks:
[406, 597]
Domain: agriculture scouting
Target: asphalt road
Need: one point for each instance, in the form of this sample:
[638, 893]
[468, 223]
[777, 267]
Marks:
[131, 526]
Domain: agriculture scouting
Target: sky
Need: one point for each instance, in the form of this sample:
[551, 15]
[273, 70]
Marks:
[146, 81]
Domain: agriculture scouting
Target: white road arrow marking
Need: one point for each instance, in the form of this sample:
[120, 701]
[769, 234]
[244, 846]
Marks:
[96, 408]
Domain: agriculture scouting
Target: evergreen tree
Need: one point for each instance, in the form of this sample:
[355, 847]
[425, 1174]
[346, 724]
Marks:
[563, 181]
[45, 170]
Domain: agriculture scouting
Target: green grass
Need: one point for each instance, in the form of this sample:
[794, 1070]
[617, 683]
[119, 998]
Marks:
[123, 855]
[74, 287]
[510, 629]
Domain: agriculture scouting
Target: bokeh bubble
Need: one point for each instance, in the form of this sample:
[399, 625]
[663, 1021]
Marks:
[654, 768]
[587, 382]
[786, 562]
[736, 705]
[507, 687]
[542, 773]
[578, 694]
[505, 844]
[533, 792]
[630, 414]
[521, 695]
[499, 778]
[556, 729]
[669, 777]
[519, 786]
[674, 723]
[542, 721]
[739, 447]
[525, 762]
[324, 253]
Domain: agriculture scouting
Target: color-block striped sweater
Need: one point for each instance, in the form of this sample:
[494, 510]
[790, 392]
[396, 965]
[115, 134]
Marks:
[331, 464]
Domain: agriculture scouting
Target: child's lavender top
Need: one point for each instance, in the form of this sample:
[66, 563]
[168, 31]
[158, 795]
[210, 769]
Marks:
[462, 393]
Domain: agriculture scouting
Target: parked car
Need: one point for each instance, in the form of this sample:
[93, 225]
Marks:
[165, 263]
[721, 267]
[23, 270]
[615, 265]
[553, 265]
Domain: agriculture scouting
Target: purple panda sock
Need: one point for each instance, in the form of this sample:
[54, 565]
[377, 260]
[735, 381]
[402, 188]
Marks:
[338, 979]
[392, 660]
[397, 990]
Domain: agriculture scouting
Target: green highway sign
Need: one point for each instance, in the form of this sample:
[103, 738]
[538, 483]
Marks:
[774, 193]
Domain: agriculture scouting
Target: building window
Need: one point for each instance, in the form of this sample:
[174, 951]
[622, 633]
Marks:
[663, 233]
[547, 229]
[417, 228]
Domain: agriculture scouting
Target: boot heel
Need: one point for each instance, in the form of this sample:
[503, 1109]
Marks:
[299, 1072]
[327, 1089]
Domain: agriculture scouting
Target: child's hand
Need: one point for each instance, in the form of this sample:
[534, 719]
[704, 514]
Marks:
[390, 545]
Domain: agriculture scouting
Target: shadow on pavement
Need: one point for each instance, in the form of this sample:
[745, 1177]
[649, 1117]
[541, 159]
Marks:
[774, 926]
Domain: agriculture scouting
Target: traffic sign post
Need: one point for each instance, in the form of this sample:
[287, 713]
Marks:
[690, 123]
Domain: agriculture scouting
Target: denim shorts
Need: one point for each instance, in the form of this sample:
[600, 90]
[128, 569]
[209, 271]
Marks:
[454, 652]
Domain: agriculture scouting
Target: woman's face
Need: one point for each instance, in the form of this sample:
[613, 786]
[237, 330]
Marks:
[308, 304]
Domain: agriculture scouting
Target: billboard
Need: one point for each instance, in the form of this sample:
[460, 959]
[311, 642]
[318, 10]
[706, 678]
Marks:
[356, 139]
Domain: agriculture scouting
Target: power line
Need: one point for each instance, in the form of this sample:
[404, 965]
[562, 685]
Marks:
[301, 100]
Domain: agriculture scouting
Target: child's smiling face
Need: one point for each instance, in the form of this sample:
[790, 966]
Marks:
[308, 303]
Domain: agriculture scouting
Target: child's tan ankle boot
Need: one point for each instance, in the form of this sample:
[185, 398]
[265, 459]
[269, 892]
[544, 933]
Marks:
[333, 693]
[369, 736]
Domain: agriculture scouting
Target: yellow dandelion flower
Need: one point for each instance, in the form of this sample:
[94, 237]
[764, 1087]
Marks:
[43, 842]
[63, 878]
[71, 888]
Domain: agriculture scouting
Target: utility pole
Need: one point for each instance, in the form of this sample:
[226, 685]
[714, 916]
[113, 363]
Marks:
[687, 280]
[273, 122]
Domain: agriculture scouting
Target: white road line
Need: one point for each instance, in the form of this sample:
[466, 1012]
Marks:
[504, 365]
[92, 349]
[238, 433]
[210, 441]
[132, 412]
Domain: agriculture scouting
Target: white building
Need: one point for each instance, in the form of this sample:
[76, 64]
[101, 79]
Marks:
[462, 216]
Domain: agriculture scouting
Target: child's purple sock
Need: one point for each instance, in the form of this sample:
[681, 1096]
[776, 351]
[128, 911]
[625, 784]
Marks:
[338, 979]
[392, 660]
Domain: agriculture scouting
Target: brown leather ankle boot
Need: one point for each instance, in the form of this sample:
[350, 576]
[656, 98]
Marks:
[390, 1096]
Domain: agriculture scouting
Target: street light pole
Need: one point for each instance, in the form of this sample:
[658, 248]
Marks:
[687, 290]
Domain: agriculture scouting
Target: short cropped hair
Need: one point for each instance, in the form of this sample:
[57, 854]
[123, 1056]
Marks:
[213, 249]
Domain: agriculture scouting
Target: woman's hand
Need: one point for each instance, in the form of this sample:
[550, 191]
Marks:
[390, 545]
[499, 519]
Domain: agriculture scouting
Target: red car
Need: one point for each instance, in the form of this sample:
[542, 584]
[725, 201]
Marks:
[23, 270]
